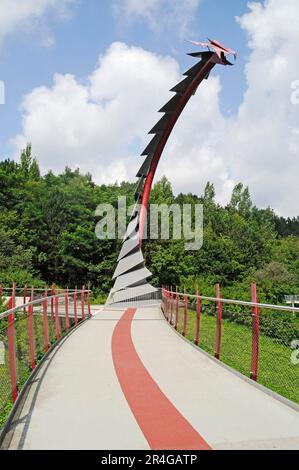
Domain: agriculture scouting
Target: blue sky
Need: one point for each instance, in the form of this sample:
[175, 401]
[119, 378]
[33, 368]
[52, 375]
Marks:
[92, 27]
[84, 79]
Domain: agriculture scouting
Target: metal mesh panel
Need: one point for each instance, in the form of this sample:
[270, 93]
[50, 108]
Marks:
[133, 298]
[61, 315]
[51, 327]
[30, 330]
[5, 387]
[71, 312]
[39, 335]
[207, 325]
[22, 348]
[261, 344]
[237, 338]
[276, 368]
[207, 335]
[180, 324]
[62, 325]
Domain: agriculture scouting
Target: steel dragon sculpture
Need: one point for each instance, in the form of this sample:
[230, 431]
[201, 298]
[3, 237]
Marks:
[131, 275]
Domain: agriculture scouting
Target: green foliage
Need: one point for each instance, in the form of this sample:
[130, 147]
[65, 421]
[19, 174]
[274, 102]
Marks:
[47, 234]
[240, 200]
[162, 192]
[282, 327]
[16, 262]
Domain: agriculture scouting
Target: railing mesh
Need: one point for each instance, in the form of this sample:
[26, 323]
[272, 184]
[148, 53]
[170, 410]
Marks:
[5, 388]
[276, 369]
[236, 339]
[22, 348]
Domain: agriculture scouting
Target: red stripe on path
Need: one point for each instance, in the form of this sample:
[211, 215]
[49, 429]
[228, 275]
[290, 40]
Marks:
[162, 424]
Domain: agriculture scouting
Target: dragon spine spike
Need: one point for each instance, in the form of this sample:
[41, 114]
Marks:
[131, 276]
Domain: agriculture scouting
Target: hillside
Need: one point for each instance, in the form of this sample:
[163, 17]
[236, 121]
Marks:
[47, 234]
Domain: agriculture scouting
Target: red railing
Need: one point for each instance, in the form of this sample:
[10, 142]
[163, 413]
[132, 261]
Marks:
[28, 331]
[244, 335]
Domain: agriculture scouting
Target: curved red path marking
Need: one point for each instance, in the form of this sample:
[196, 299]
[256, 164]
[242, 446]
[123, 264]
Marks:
[162, 424]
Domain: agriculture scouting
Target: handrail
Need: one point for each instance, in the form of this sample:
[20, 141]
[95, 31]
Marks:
[247, 346]
[28, 337]
[237, 302]
[10, 289]
[40, 301]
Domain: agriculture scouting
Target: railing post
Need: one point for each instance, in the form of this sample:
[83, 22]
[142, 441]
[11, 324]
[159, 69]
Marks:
[12, 351]
[172, 306]
[32, 298]
[185, 314]
[57, 323]
[198, 306]
[177, 309]
[13, 295]
[164, 303]
[83, 302]
[52, 302]
[169, 305]
[31, 333]
[88, 303]
[255, 335]
[45, 317]
[219, 323]
[66, 302]
[75, 307]
[25, 296]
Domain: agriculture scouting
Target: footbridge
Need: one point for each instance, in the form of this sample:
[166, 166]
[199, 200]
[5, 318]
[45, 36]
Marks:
[154, 368]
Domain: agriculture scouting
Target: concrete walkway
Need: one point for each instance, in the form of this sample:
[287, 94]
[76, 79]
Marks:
[125, 380]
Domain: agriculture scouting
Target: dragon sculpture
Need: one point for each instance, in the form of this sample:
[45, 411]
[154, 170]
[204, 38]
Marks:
[131, 276]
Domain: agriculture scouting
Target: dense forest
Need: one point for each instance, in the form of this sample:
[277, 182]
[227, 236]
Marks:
[47, 234]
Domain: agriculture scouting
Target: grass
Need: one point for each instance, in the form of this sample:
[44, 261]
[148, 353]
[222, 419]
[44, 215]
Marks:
[276, 370]
[98, 299]
[22, 355]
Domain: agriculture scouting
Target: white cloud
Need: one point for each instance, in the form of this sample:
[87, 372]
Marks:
[93, 125]
[16, 15]
[264, 148]
[192, 156]
[98, 124]
[260, 145]
[159, 14]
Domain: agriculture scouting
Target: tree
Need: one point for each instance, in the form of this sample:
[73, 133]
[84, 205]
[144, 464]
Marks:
[241, 200]
[48, 232]
[29, 168]
[209, 193]
[52, 226]
[16, 262]
[162, 192]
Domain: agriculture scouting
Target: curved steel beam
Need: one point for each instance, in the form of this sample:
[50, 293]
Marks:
[131, 275]
[182, 102]
[197, 74]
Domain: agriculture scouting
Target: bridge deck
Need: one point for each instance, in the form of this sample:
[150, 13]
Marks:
[125, 380]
